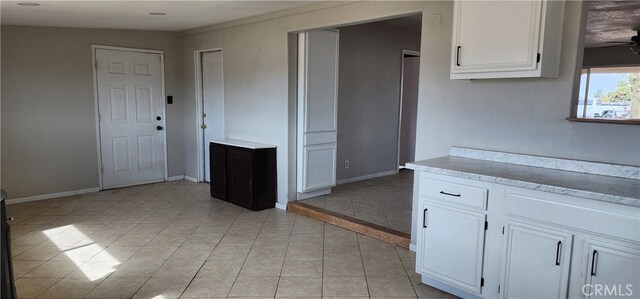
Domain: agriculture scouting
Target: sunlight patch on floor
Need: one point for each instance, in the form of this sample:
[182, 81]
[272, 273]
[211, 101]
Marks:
[82, 251]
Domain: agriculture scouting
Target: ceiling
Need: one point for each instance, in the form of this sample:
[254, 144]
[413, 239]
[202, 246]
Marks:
[180, 15]
[611, 21]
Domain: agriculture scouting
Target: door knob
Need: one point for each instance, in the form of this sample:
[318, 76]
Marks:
[204, 126]
[159, 128]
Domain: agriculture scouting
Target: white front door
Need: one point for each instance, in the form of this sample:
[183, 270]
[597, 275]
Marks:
[317, 109]
[212, 102]
[131, 116]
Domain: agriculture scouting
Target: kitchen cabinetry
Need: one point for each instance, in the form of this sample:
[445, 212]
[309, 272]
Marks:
[506, 39]
[537, 262]
[451, 238]
[611, 265]
[478, 239]
[452, 245]
[243, 173]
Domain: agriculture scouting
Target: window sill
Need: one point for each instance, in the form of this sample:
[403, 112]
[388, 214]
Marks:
[604, 121]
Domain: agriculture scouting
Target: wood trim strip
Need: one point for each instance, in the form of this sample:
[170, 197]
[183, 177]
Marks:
[605, 121]
[362, 227]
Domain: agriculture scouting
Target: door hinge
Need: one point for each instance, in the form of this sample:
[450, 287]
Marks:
[538, 58]
[503, 230]
[486, 225]
[102, 168]
[498, 288]
[481, 281]
[96, 65]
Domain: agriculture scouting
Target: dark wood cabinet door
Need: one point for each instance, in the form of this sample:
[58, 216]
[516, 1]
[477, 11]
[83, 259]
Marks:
[218, 168]
[240, 176]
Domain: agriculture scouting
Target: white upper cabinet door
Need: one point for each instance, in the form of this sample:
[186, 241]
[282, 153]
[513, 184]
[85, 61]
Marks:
[317, 109]
[612, 266]
[536, 263]
[502, 39]
[451, 245]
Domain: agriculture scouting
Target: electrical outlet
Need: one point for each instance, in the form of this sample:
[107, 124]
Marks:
[346, 163]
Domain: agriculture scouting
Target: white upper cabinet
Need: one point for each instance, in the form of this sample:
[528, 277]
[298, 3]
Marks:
[506, 39]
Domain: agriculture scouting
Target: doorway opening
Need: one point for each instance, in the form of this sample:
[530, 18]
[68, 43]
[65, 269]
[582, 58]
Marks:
[209, 106]
[130, 116]
[357, 105]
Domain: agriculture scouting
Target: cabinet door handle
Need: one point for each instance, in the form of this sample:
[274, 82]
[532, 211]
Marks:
[424, 218]
[558, 251]
[594, 260]
[450, 194]
[458, 55]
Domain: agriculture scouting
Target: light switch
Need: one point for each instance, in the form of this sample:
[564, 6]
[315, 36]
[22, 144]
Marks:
[436, 19]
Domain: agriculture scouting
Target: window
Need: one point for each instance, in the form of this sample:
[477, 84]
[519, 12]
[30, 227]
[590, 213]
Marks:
[609, 93]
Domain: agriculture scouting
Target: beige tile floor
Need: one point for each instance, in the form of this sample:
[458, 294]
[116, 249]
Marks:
[171, 240]
[385, 201]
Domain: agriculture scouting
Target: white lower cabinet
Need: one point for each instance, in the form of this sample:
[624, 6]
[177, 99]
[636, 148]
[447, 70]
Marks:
[451, 244]
[612, 270]
[535, 244]
[537, 262]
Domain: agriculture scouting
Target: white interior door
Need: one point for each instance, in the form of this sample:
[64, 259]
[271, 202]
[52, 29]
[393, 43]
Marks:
[131, 115]
[212, 102]
[317, 109]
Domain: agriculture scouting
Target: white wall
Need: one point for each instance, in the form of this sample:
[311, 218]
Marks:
[518, 115]
[48, 119]
[369, 96]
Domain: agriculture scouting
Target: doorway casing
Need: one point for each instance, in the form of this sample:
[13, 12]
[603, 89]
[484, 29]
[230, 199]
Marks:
[197, 60]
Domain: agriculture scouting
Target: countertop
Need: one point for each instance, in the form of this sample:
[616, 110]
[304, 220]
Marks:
[242, 143]
[612, 189]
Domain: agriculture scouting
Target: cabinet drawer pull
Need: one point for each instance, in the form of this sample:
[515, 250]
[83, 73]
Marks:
[450, 194]
[424, 218]
[458, 55]
[594, 260]
[558, 251]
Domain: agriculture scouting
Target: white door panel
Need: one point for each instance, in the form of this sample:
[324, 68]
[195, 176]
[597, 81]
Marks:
[536, 262]
[452, 243]
[317, 109]
[212, 102]
[613, 266]
[319, 171]
[130, 99]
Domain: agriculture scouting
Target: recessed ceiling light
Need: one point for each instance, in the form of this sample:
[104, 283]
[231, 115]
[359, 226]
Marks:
[28, 4]
[157, 13]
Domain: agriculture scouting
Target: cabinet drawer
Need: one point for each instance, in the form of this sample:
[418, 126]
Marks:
[456, 194]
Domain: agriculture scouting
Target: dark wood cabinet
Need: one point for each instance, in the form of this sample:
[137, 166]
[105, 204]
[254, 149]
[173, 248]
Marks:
[243, 173]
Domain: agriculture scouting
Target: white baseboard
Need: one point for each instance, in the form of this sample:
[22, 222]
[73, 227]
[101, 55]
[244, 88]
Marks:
[51, 195]
[412, 247]
[188, 178]
[281, 206]
[175, 178]
[366, 177]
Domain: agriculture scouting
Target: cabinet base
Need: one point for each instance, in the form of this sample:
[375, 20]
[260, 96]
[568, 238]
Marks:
[447, 288]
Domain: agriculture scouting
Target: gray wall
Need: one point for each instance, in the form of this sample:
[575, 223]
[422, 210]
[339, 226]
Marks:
[514, 115]
[517, 115]
[48, 122]
[369, 96]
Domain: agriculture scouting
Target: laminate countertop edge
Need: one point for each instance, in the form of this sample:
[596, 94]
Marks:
[595, 187]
